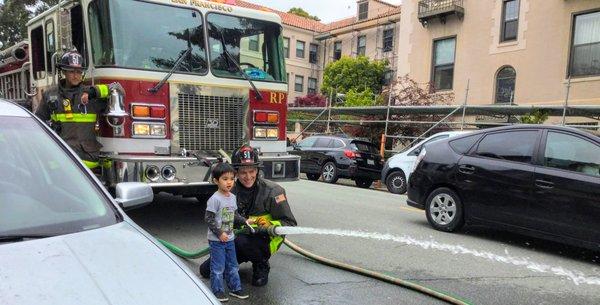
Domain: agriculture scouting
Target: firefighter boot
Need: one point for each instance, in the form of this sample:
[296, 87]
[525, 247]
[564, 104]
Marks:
[205, 269]
[260, 273]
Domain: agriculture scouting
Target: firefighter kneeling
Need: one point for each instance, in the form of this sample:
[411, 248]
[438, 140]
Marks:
[73, 109]
[266, 203]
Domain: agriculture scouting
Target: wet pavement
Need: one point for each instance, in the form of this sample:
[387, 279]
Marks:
[480, 265]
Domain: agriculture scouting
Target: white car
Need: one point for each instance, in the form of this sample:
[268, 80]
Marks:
[65, 241]
[397, 169]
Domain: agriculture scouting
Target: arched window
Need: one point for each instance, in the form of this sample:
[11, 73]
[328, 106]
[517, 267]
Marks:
[505, 85]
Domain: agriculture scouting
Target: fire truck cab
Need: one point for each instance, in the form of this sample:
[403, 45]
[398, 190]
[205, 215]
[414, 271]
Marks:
[200, 78]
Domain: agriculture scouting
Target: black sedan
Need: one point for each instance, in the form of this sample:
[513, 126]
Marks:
[541, 181]
[338, 157]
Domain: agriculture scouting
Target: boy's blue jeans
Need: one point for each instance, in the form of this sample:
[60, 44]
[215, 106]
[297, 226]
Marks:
[223, 264]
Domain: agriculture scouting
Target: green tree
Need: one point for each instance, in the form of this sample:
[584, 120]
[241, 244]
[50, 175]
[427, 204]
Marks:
[358, 74]
[14, 15]
[302, 13]
[536, 117]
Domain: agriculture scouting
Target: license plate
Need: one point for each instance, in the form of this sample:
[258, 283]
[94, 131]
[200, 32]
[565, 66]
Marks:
[370, 162]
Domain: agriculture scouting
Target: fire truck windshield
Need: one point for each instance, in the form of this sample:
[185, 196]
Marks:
[255, 44]
[150, 36]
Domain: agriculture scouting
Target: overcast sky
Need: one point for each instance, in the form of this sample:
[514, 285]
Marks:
[327, 10]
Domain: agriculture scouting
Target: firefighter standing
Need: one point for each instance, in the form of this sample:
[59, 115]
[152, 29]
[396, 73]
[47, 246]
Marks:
[266, 203]
[72, 109]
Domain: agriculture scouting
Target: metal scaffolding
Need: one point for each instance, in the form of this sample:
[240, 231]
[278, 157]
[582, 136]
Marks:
[455, 116]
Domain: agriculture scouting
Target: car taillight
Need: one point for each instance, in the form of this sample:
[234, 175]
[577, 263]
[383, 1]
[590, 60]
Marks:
[420, 158]
[351, 154]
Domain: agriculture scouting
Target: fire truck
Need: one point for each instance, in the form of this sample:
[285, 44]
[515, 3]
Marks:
[200, 79]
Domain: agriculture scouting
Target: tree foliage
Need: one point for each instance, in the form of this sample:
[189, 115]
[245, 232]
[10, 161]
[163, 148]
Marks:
[302, 13]
[14, 15]
[362, 98]
[536, 117]
[358, 74]
[405, 92]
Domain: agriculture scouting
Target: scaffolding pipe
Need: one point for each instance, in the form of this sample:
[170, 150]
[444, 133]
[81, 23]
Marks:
[303, 130]
[438, 123]
[566, 104]
[462, 126]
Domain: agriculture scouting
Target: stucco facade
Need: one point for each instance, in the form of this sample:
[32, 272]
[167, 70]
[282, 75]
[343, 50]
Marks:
[300, 66]
[539, 55]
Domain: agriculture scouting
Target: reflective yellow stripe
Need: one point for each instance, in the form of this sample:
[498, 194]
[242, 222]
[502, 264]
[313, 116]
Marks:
[105, 163]
[103, 90]
[74, 117]
[91, 164]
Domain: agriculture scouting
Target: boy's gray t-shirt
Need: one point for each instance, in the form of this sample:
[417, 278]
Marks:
[224, 209]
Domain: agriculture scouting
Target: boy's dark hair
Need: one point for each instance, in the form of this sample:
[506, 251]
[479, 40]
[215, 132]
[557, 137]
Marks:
[222, 168]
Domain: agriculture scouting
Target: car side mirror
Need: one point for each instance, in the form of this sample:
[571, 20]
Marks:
[133, 194]
[416, 152]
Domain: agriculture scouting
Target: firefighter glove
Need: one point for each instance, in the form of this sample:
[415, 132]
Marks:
[262, 222]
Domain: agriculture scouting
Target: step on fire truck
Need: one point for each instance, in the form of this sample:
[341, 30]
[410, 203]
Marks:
[200, 78]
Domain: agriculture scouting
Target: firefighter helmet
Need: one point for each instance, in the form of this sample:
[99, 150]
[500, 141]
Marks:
[71, 61]
[245, 156]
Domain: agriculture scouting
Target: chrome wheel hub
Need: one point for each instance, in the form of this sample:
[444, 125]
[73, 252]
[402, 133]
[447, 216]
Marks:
[442, 209]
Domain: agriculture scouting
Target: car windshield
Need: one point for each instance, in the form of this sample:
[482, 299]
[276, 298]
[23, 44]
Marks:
[152, 40]
[42, 190]
[255, 44]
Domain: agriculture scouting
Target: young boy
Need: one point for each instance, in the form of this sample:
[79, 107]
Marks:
[220, 216]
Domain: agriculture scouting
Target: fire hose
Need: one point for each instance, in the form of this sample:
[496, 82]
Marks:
[335, 264]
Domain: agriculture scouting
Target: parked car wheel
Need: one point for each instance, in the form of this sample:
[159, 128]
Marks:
[396, 182]
[363, 183]
[329, 172]
[313, 177]
[444, 210]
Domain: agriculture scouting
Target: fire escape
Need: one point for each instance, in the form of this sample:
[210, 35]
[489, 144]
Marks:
[439, 9]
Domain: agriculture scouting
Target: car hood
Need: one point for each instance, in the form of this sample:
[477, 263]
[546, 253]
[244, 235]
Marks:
[110, 265]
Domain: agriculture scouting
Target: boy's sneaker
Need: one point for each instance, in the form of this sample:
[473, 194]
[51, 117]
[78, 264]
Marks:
[240, 294]
[221, 296]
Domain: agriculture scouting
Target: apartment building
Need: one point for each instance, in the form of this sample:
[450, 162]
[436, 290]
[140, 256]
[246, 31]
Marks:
[505, 51]
[311, 45]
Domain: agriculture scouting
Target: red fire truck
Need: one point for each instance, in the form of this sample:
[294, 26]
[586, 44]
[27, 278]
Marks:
[200, 78]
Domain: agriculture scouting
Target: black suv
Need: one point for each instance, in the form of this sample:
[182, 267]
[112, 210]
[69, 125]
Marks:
[339, 157]
[537, 180]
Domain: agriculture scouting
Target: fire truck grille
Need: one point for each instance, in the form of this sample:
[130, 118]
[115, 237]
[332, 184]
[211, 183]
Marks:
[210, 122]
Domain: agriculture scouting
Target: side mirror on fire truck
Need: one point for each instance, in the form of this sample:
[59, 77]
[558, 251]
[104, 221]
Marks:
[115, 115]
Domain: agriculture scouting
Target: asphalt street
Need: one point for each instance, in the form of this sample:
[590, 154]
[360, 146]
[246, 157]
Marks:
[480, 265]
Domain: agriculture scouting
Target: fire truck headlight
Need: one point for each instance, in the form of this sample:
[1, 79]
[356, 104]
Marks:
[272, 133]
[168, 172]
[152, 173]
[260, 132]
[141, 129]
[149, 130]
[157, 130]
